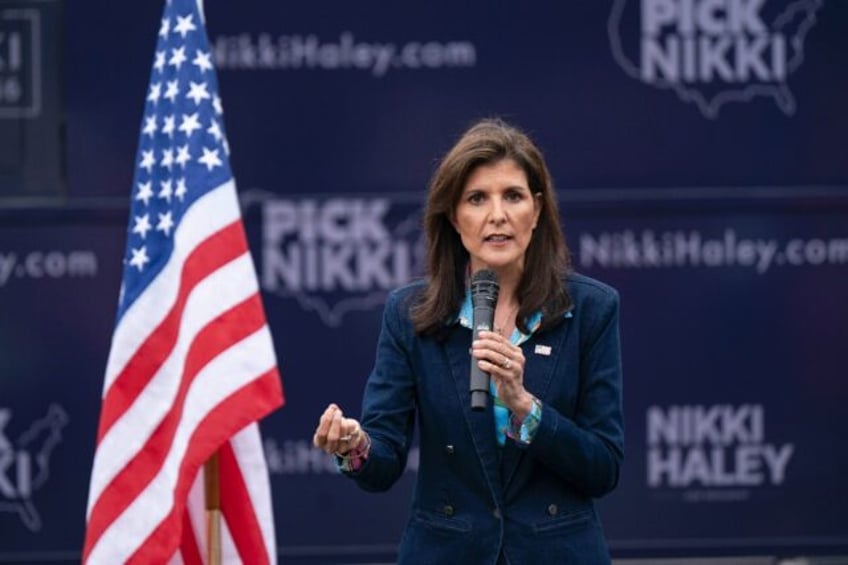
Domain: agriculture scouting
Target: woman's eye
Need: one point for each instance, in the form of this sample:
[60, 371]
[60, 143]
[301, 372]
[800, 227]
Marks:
[513, 196]
[475, 198]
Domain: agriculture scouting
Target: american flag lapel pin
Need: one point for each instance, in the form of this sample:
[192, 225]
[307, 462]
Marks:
[542, 350]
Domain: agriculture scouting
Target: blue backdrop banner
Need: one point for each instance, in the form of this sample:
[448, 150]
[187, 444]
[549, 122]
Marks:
[700, 156]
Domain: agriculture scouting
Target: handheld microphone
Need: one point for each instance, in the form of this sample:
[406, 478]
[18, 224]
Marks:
[484, 297]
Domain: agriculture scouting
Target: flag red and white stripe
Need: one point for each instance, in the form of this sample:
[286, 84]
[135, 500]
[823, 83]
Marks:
[192, 366]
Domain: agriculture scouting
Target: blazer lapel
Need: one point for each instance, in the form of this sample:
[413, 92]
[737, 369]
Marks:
[481, 423]
[542, 354]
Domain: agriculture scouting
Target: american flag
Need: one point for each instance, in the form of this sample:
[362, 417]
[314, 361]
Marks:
[191, 366]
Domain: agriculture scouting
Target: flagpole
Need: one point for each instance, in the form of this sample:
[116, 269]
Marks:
[212, 483]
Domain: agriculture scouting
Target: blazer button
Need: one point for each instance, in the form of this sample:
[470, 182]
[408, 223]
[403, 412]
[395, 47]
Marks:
[448, 509]
[449, 449]
[552, 510]
[496, 513]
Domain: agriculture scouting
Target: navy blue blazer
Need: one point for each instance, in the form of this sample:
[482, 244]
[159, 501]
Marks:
[474, 499]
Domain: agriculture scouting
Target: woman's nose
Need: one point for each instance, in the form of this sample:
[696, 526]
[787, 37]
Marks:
[498, 214]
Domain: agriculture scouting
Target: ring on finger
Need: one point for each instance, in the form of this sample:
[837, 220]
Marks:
[350, 436]
[507, 363]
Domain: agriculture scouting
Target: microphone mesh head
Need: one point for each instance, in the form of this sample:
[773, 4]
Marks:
[484, 275]
[484, 287]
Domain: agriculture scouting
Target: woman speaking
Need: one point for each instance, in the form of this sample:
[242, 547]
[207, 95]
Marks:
[513, 482]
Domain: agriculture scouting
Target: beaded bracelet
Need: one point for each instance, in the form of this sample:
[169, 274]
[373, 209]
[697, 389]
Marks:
[354, 459]
[522, 430]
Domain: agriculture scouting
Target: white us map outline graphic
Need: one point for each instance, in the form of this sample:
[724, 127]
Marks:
[50, 426]
[332, 314]
[783, 97]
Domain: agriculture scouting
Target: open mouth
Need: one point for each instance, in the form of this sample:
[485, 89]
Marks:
[497, 238]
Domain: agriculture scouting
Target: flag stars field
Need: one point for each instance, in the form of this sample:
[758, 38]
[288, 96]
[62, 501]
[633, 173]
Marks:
[179, 131]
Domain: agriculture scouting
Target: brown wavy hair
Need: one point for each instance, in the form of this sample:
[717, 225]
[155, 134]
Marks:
[547, 260]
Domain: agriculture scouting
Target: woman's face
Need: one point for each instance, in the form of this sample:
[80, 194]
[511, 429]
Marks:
[496, 216]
